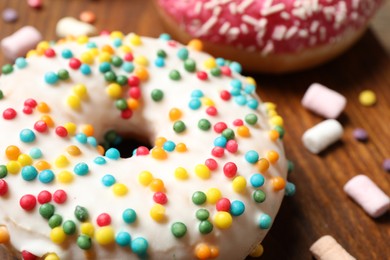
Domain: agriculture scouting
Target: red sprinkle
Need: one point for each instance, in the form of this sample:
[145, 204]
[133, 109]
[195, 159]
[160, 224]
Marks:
[50, 53]
[160, 198]
[142, 150]
[126, 114]
[230, 169]
[211, 164]
[9, 114]
[60, 196]
[202, 75]
[211, 111]
[172, 43]
[133, 81]
[225, 95]
[232, 146]
[104, 32]
[128, 57]
[219, 127]
[74, 63]
[26, 255]
[218, 151]
[61, 131]
[30, 102]
[238, 122]
[103, 220]
[44, 197]
[27, 110]
[40, 126]
[223, 205]
[3, 187]
[226, 71]
[28, 202]
[135, 92]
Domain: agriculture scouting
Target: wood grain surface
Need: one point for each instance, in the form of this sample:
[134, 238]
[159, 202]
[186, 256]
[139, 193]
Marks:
[320, 206]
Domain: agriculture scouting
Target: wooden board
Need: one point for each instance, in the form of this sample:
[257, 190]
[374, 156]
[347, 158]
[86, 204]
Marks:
[320, 206]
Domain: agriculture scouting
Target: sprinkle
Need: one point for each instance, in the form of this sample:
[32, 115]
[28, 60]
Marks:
[174, 75]
[220, 141]
[239, 184]
[3, 171]
[129, 216]
[290, 189]
[120, 189]
[27, 202]
[87, 228]
[123, 239]
[3, 187]
[99, 160]
[181, 147]
[81, 213]
[243, 131]
[211, 164]
[60, 196]
[195, 103]
[202, 251]
[182, 54]
[21, 63]
[367, 98]
[251, 156]
[159, 153]
[181, 173]
[108, 180]
[51, 78]
[265, 221]
[220, 127]
[360, 134]
[157, 185]
[237, 208]
[213, 195]
[65, 177]
[258, 196]
[202, 171]
[25, 159]
[205, 227]
[199, 197]
[202, 75]
[46, 176]
[223, 220]
[179, 126]
[230, 169]
[223, 204]
[145, 178]
[139, 246]
[61, 161]
[27, 136]
[272, 156]
[103, 220]
[218, 151]
[84, 242]
[190, 65]
[113, 154]
[105, 235]
[157, 95]
[9, 114]
[202, 214]
[157, 212]
[212, 111]
[55, 221]
[44, 197]
[175, 114]
[57, 235]
[46, 210]
[257, 251]
[13, 167]
[178, 229]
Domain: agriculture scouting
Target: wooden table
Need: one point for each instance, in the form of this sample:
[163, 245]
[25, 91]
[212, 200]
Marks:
[320, 206]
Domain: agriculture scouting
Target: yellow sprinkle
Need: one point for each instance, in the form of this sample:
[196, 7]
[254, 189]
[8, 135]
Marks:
[251, 81]
[73, 102]
[31, 53]
[367, 98]
[100, 150]
[125, 49]
[159, 142]
[141, 73]
[61, 161]
[57, 235]
[116, 35]
[13, 167]
[52, 256]
[73, 150]
[141, 60]
[181, 173]
[82, 39]
[223, 220]
[48, 120]
[276, 121]
[71, 128]
[87, 228]
[195, 44]
[132, 103]
[120, 189]
[157, 212]
[114, 90]
[239, 184]
[135, 40]
[207, 101]
[88, 130]
[43, 107]
[25, 159]
[94, 52]
[104, 57]
[270, 105]
[273, 135]
[145, 178]
[159, 153]
[105, 235]
[210, 63]
[87, 58]
[202, 171]
[157, 185]
[108, 49]
[175, 114]
[271, 113]
[42, 165]
[213, 195]
[181, 147]
[80, 90]
[257, 251]
[272, 156]
[43, 45]
[65, 177]
[243, 131]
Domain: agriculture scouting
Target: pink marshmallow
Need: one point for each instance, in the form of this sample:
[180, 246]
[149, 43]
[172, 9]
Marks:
[19, 43]
[324, 101]
[368, 195]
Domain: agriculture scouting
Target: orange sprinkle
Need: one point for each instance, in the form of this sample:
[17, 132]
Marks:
[160, 141]
[48, 120]
[43, 107]
[42, 165]
[73, 150]
[159, 153]
[181, 147]
[108, 48]
[262, 165]
[88, 16]
[278, 183]
[202, 251]
[157, 185]
[243, 131]
[12, 152]
[4, 235]
[214, 251]
[132, 103]
[272, 156]
[195, 44]
[273, 135]
[175, 114]
[142, 73]
[88, 130]
[101, 150]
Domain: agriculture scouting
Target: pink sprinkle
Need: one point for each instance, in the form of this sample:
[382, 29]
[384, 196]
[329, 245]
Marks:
[3, 187]
[368, 195]
[103, 220]
[142, 150]
[26, 255]
[44, 197]
[223, 205]
[226, 71]
[30, 102]
[172, 43]
[74, 63]
[230, 169]
[128, 57]
[60, 196]
[219, 127]
[202, 75]
[50, 53]
[160, 198]
[35, 3]
[105, 32]
[232, 146]
[211, 164]
[211, 111]
[9, 114]
[238, 122]
[218, 151]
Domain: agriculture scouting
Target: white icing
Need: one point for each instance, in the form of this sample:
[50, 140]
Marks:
[29, 231]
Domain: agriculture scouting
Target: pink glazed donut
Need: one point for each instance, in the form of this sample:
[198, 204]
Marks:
[273, 36]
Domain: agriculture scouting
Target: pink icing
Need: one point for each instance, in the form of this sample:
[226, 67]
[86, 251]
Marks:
[270, 26]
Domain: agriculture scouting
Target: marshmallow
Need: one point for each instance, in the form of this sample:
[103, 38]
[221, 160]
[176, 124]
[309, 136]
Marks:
[324, 101]
[322, 135]
[20, 42]
[327, 248]
[71, 26]
[368, 195]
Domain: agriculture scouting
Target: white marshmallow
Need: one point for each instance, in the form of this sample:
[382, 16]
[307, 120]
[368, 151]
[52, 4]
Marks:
[20, 42]
[322, 135]
[71, 26]
[368, 195]
[327, 248]
[324, 101]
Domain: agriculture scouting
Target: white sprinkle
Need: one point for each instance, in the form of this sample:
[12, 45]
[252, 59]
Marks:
[217, 10]
[249, 20]
[329, 12]
[207, 25]
[279, 32]
[267, 4]
[244, 4]
[233, 8]
[273, 9]
[259, 37]
[211, 4]
[315, 6]
[198, 8]
[355, 4]
[251, 48]
[224, 28]
[341, 14]
[322, 33]
[354, 16]
[285, 16]
[269, 47]
[299, 12]
[291, 32]
[234, 31]
[244, 28]
[314, 26]
[303, 33]
[312, 40]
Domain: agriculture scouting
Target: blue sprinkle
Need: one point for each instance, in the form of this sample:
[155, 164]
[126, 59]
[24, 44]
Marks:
[251, 156]
[257, 180]
[128, 67]
[235, 92]
[91, 45]
[165, 37]
[253, 104]
[117, 42]
[85, 69]
[46, 176]
[113, 154]
[81, 169]
[129, 216]
[195, 104]
[220, 141]
[51, 78]
[159, 62]
[92, 141]
[249, 89]
[108, 180]
[237, 208]
[240, 100]
[220, 61]
[81, 138]
[21, 63]
[289, 190]
[169, 146]
[100, 160]
[265, 221]
[235, 66]
[123, 238]
[197, 93]
[67, 54]
[104, 67]
[139, 246]
[29, 173]
[27, 136]
[236, 84]
[182, 53]
[35, 153]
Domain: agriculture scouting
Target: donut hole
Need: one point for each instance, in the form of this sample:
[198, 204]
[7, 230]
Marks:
[126, 144]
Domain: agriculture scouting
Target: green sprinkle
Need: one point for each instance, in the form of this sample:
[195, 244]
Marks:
[121, 104]
[121, 80]
[63, 74]
[7, 69]
[216, 72]
[290, 166]
[81, 213]
[161, 54]
[3, 171]
[259, 196]
[190, 65]
[46, 210]
[199, 197]
[202, 214]
[205, 227]
[251, 119]
[178, 229]
[1, 94]
[116, 61]
[157, 95]
[110, 136]
[228, 134]
[280, 130]
[84, 242]
[55, 220]
[204, 124]
[69, 227]
[174, 75]
[179, 126]
[110, 76]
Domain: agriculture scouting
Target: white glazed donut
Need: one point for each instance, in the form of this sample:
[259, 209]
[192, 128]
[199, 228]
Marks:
[209, 186]
[270, 35]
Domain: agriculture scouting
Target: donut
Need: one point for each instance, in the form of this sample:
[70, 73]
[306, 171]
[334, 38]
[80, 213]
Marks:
[270, 36]
[207, 183]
